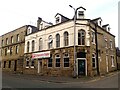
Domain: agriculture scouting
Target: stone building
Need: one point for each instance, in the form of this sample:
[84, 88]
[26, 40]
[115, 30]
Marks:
[118, 58]
[50, 51]
[12, 48]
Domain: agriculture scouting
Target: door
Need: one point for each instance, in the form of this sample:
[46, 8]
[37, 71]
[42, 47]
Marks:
[15, 66]
[39, 66]
[81, 67]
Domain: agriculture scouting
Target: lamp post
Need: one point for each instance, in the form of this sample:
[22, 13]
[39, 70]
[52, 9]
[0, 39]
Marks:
[75, 17]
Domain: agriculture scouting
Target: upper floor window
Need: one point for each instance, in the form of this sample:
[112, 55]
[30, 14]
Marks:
[57, 19]
[11, 50]
[111, 44]
[12, 39]
[29, 30]
[93, 37]
[66, 38]
[106, 43]
[57, 40]
[2, 43]
[18, 38]
[81, 37]
[17, 49]
[40, 44]
[28, 46]
[6, 41]
[33, 45]
[93, 61]
[50, 41]
[5, 51]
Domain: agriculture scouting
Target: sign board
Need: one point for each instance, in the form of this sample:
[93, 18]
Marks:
[41, 55]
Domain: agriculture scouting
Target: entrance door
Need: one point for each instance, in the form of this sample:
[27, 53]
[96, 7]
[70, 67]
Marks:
[81, 67]
[39, 66]
[15, 66]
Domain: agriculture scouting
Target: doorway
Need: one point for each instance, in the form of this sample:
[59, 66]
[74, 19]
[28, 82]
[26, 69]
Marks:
[39, 66]
[81, 67]
[15, 65]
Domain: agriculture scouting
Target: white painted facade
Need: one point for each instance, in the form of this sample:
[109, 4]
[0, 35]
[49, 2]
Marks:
[60, 28]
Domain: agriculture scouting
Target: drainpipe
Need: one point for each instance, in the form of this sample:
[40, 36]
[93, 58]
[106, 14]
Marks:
[96, 41]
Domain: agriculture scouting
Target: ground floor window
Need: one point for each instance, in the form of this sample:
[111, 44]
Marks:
[9, 64]
[93, 61]
[50, 61]
[57, 61]
[32, 63]
[27, 62]
[66, 60]
[112, 61]
[4, 64]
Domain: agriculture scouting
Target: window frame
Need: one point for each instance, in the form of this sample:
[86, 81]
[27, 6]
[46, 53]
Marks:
[33, 45]
[57, 40]
[57, 58]
[80, 37]
[66, 57]
[94, 61]
[66, 38]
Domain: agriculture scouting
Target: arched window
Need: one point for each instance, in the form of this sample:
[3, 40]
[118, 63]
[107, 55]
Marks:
[50, 41]
[40, 44]
[33, 45]
[57, 61]
[81, 37]
[57, 40]
[28, 46]
[66, 38]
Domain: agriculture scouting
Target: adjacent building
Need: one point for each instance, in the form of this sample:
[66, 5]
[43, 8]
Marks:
[12, 48]
[50, 51]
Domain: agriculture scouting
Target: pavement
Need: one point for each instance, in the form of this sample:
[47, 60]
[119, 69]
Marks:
[62, 79]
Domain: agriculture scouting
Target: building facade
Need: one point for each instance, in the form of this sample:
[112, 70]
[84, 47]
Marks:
[50, 51]
[12, 49]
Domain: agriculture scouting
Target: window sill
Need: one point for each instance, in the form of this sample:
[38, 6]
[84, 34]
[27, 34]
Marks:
[32, 67]
[26, 67]
[112, 66]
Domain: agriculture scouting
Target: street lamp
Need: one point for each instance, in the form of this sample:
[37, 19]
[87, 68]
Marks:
[75, 17]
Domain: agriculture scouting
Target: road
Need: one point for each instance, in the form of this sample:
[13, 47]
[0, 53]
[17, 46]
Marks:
[18, 81]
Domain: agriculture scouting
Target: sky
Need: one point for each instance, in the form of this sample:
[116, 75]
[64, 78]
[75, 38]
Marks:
[17, 13]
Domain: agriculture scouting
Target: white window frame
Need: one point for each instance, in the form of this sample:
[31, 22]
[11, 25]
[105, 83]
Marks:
[64, 61]
[112, 61]
[57, 58]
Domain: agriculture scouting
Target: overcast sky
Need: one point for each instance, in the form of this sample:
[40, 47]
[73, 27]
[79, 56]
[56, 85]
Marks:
[17, 13]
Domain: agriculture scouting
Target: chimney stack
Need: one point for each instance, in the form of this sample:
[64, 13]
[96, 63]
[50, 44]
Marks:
[38, 22]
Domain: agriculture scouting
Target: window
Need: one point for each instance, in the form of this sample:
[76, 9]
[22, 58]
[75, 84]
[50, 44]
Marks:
[33, 45]
[11, 50]
[93, 37]
[4, 64]
[28, 46]
[106, 43]
[29, 30]
[111, 44]
[32, 63]
[81, 37]
[18, 38]
[27, 62]
[57, 40]
[50, 41]
[50, 61]
[93, 61]
[66, 60]
[6, 41]
[112, 61]
[57, 61]
[5, 51]
[12, 39]
[9, 64]
[57, 19]
[2, 43]
[17, 49]
[66, 38]
[40, 44]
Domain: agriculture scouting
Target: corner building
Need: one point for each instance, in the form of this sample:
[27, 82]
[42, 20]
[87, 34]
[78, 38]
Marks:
[50, 51]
